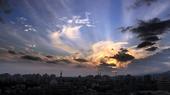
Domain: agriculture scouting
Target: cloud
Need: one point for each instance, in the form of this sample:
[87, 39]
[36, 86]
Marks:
[144, 10]
[149, 32]
[139, 3]
[156, 10]
[71, 32]
[145, 44]
[152, 48]
[30, 67]
[109, 52]
[123, 57]
[58, 42]
[69, 37]
[150, 65]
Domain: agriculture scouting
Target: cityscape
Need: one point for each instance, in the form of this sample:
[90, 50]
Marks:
[84, 47]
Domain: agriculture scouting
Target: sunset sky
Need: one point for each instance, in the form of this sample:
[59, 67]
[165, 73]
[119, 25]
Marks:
[89, 28]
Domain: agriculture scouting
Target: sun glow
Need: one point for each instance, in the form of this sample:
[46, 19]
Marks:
[103, 53]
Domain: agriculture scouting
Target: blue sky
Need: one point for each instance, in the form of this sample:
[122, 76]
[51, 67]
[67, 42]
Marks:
[44, 15]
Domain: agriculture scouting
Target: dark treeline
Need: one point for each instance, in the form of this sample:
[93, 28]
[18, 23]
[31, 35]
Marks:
[36, 84]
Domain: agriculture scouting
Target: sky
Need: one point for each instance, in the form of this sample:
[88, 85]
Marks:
[85, 29]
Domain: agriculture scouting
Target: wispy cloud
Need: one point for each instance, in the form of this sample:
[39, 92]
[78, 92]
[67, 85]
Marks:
[70, 35]
[156, 10]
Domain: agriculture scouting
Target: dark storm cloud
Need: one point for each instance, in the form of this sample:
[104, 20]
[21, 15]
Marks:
[149, 31]
[152, 48]
[145, 44]
[29, 57]
[122, 56]
[151, 38]
[151, 28]
[81, 60]
[139, 3]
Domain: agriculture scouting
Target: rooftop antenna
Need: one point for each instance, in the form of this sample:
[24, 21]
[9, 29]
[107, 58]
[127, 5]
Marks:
[61, 74]
[99, 72]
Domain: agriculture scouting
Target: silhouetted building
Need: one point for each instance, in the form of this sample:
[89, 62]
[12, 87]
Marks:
[164, 85]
